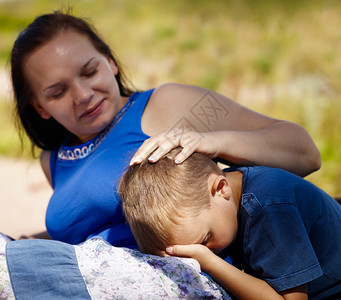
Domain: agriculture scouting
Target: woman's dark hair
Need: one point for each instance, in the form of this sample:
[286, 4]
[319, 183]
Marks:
[49, 134]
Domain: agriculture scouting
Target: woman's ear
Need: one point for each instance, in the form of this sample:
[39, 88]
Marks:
[113, 66]
[221, 187]
[41, 111]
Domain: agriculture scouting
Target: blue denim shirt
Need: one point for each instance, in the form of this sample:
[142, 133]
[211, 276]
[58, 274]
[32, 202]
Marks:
[289, 232]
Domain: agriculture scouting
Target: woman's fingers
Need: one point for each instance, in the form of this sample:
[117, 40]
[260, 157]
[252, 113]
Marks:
[156, 147]
[191, 141]
[147, 147]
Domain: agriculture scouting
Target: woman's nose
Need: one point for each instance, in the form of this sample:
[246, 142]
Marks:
[82, 92]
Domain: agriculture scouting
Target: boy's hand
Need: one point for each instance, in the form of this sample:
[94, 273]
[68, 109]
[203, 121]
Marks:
[199, 252]
[239, 283]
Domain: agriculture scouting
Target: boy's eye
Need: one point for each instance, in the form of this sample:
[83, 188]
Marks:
[206, 240]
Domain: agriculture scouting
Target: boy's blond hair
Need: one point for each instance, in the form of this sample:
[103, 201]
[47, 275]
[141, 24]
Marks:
[158, 197]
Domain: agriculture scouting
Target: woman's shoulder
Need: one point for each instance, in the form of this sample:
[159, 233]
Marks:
[176, 91]
[168, 105]
[187, 106]
[189, 98]
[175, 98]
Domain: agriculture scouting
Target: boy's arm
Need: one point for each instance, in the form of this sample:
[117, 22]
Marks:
[240, 284]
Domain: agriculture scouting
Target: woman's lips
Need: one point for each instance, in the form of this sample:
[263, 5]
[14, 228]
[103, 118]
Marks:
[93, 110]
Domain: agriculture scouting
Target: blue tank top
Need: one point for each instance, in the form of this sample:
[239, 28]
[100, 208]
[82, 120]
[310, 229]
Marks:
[85, 202]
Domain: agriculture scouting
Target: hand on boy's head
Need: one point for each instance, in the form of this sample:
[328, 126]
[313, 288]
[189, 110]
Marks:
[160, 145]
[199, 252]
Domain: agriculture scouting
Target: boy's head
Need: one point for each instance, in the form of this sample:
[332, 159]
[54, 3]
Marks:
[161, 199]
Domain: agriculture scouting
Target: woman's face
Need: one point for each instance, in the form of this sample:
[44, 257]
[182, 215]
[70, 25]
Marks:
[74, 84]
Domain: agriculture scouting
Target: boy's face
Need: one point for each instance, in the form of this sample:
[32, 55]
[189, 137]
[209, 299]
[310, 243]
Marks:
[215, 227]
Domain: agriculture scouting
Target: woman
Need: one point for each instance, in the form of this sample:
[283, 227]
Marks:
[74, 104]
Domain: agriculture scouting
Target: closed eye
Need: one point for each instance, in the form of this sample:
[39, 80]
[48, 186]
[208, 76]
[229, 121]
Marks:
[91, 72]
[206, 239]
[90, 68]
[58, 94]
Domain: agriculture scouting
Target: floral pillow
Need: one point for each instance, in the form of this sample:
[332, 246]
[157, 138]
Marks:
[129, 274]
[97, 270]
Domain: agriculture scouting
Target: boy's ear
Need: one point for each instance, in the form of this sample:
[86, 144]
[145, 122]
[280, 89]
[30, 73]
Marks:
[221, 187]
[41, 111]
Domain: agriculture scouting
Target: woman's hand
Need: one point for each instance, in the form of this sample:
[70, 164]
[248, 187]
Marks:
[158, 146]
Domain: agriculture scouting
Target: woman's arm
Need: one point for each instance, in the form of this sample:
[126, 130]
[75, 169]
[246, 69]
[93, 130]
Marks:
[238, 134]
[242, 285]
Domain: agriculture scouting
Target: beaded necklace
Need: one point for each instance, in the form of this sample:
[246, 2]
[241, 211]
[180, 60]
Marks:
[84, 150]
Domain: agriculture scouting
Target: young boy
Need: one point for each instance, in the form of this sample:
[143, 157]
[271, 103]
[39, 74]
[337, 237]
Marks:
[286, 231]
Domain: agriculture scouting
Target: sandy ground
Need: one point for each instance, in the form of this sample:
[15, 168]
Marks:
[23, 188]
[24, 197]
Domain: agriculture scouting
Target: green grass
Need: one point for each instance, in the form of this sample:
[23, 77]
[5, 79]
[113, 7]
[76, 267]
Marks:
[9, 141]
[278, 57]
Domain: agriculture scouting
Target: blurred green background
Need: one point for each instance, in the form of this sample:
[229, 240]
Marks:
[281, 58]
